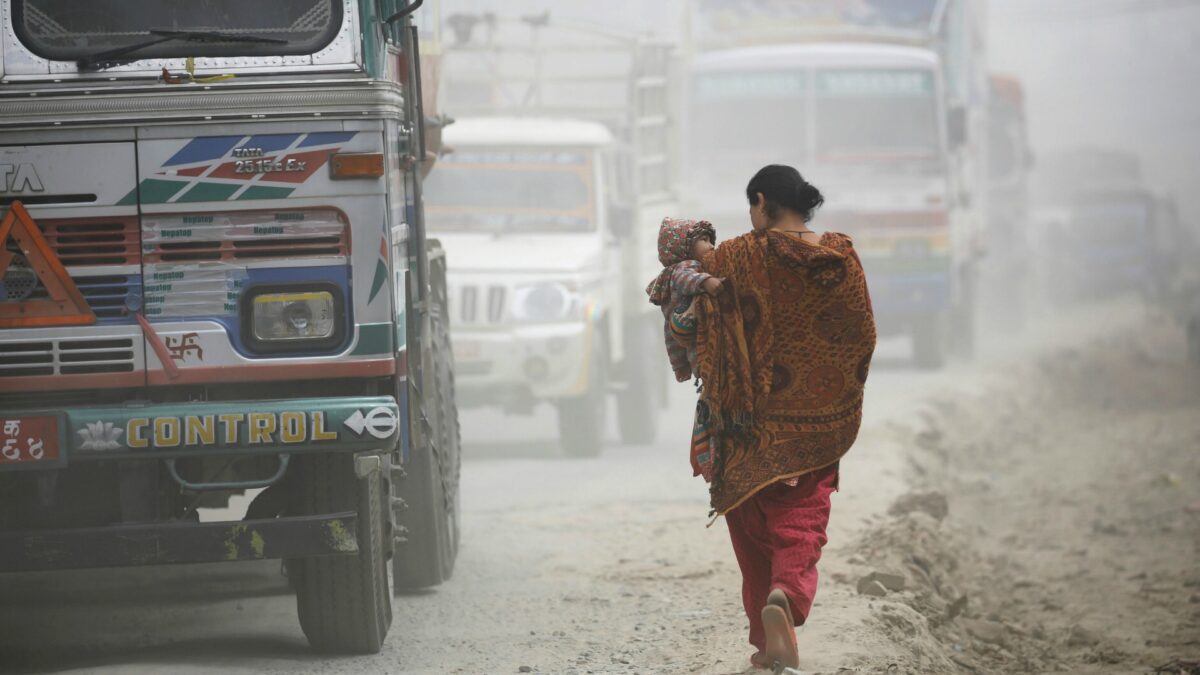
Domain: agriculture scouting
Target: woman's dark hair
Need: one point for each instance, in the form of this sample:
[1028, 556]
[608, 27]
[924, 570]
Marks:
[784, 188]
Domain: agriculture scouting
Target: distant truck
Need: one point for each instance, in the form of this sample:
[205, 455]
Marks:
[215, 280]
[884, 106]
[1007, 279]
[548, 200]
[1105, 231]
[1120, 239]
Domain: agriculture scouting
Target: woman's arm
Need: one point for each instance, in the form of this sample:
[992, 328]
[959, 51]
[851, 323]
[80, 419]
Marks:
[689, 279]
[711, 258]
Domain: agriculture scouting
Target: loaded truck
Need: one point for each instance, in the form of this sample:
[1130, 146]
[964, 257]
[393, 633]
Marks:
[1091, 201]
[883, 105]
[215, 280]
[547, 199]
[1009, 266]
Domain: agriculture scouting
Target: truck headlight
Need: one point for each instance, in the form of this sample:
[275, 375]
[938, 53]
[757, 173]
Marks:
[544, 302]
[292, 319]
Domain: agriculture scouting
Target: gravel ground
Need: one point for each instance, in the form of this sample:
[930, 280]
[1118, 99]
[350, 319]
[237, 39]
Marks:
[1027, 513]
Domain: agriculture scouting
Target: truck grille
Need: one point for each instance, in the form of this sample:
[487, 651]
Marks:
[480, 304]
[291, 247]
[90, 241]
[66, 357]
[108, 296]
[245, 236]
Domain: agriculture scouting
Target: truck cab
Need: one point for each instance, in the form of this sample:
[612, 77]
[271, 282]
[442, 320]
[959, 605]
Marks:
[215, 281]
[1008, 271]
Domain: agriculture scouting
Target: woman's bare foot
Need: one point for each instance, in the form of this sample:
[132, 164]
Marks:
[759, 660]
[780, 631]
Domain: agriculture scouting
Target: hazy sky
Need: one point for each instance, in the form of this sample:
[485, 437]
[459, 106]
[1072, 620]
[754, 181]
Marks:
[1111, 73]
[1116, 73]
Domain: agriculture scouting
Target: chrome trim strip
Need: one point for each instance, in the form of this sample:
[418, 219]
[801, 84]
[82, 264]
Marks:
[158, 105]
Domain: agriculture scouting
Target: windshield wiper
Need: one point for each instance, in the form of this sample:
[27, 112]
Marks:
[115, 57]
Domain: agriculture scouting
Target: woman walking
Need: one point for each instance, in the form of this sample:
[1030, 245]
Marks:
[783, 352]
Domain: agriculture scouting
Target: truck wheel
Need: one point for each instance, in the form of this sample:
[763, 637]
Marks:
[639, 405]
[428, 486]
[964, 332]
[343, 601]
[929, 343]
[430, 526]
[581, 419]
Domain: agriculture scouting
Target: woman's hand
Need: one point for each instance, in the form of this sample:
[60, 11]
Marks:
[712, 285]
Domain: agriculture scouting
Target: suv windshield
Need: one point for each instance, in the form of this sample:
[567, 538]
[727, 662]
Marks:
[510, 192]
[65, 30]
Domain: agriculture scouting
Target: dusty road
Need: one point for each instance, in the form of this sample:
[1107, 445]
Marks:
[1071, 481]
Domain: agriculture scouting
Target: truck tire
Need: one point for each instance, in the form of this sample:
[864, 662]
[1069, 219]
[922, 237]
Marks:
[639, 405]
[1194, 343]
[929, 343]
[344, 603]
[426, 556]
[963, 318]
[965, 334]
[428, 487]
[581, 420]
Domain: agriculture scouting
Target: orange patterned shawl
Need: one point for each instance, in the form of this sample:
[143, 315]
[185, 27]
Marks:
[784, 351]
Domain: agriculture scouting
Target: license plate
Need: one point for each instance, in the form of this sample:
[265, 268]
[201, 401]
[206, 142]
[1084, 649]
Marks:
[28, 440]
[468, 351]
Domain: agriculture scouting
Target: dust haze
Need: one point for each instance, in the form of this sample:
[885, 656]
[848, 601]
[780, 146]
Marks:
[1027, 482]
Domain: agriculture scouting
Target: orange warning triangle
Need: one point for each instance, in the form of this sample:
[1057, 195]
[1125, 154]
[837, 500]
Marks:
[66, 305]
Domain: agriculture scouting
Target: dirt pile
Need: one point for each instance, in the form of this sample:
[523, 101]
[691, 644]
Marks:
[952, 609]
[1051, 528]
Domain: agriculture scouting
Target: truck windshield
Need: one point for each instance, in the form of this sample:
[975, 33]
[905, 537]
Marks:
[877, 117]
[1114, 220]
[738, 118]
[510, 192]
[70, 29]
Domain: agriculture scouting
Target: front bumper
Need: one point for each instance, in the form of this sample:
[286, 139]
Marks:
[542, 362]
[178, 430]
[174, 543]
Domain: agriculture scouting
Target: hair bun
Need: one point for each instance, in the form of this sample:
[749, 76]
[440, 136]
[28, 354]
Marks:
[784, 188]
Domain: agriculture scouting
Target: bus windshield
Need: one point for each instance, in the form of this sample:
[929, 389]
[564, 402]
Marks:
[511, 192]
[877, 117]
[66, 30]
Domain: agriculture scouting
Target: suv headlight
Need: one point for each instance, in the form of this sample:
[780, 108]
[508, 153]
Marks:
[544, 302]
[293, 319]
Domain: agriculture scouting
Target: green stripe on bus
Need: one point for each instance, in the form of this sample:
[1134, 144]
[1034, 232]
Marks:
[209, 192]
[129, 199]
[265, 192]
[156, 191]
[373, 338]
